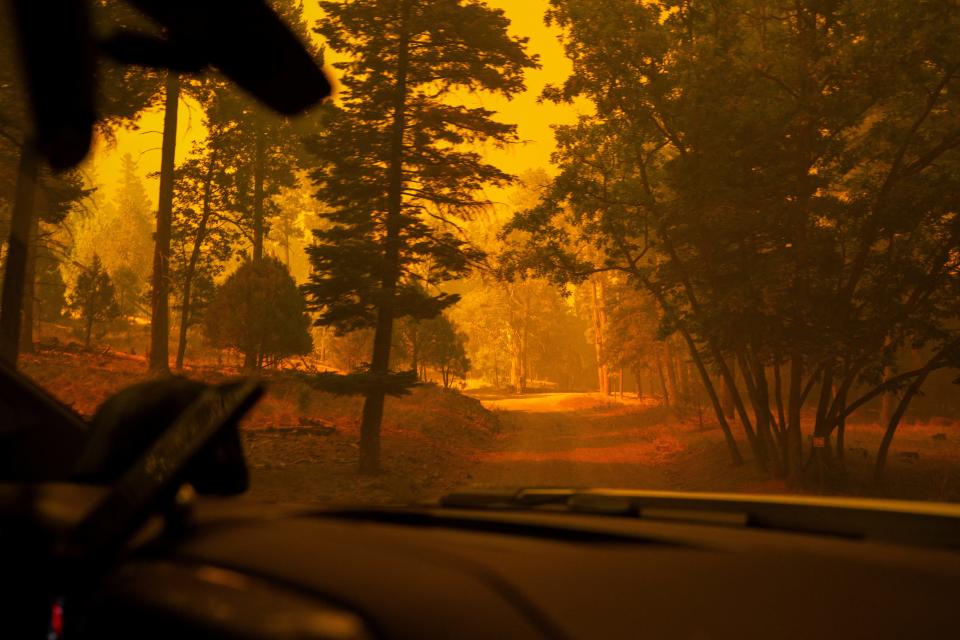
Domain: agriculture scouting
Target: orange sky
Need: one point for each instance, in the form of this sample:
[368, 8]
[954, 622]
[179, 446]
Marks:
[533, 119]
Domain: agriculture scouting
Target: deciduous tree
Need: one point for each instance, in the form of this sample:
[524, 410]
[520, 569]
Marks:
[781, 180]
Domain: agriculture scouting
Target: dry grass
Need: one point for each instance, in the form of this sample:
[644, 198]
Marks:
[429, 437]
[435, 441]
[923, 464]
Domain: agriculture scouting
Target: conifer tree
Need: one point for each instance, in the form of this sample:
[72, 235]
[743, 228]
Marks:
[124, 238]
[259, 310]
[396, 167]
[94, 297]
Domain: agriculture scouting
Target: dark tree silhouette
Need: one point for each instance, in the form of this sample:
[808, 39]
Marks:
[392, 168]
[205, 228]
[444, 348]
[94, 297]
[259, 310]
[784, 195]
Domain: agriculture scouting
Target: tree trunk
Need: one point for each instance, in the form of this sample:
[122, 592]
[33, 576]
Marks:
[414, 350]
[881, 463]
[663, 379]
[714, 398]
[516, 365]
[760, 416]
[159, 360]
[14, 274]
[30, 287]
[184, 318]
[524, 343]
[380, 361]
[671, 372]
[841, 428]
[89, 329]
[728, 408]
[765, 417]
[886, 400]
[778, 396]
[598, 329]
[794, 455]
[820, 454]
[717, 354]
[253, 359]
[638, 376]
[886, 404]
[738, 405]
[259, 168]
[192, 263]
[684, 377]
[702, 370]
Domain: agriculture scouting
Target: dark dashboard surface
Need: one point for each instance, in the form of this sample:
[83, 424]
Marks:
[446, 573]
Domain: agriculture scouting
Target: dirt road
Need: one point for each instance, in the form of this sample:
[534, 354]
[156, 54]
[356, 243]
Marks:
[584, 440]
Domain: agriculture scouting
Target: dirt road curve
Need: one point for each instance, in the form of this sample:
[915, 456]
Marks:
[581, 440]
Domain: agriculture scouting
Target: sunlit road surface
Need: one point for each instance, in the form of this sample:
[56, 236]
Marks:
[581, 440]
[544, 402]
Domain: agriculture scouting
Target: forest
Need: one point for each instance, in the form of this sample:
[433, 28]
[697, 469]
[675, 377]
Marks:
[741, 228]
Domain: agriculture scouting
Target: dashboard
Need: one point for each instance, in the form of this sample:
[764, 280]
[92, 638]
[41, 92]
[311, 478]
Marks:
[449, 573]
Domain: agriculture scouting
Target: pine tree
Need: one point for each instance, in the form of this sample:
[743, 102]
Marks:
[94, 297]
[395, 167]
[160, 281]
[124, 239]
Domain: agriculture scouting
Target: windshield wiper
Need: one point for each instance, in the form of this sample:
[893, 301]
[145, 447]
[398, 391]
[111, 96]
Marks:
[919, 523]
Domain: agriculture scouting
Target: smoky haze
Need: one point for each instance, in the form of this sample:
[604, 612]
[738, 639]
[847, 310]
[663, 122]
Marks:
[532, 244]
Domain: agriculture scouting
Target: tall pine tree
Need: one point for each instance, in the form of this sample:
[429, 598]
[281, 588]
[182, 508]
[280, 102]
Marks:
[397, 167]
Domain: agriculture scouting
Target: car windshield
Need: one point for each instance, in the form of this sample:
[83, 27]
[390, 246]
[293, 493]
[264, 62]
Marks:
[646, 244]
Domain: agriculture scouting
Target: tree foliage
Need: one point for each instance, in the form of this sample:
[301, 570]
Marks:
[397, 168]
[206, 227]
[781, 180]
[444, 349]
[94, 297]
[259, 310]
[436, 344]
[119, 229]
